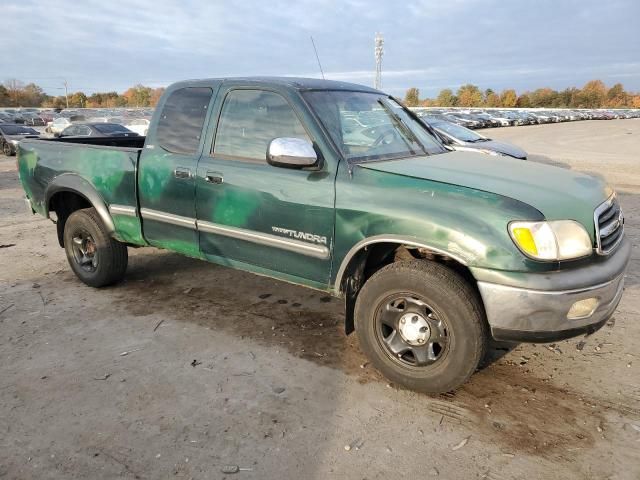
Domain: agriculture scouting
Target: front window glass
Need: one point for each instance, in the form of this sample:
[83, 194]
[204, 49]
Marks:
[249, 120]
[370, 126]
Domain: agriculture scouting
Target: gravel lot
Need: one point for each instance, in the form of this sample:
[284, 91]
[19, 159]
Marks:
[187, 367]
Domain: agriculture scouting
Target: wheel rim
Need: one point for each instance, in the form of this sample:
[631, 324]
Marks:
[85, 252]
[410, 331]
[7, 149]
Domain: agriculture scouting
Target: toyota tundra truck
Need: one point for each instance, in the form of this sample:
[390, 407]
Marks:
[340, 188]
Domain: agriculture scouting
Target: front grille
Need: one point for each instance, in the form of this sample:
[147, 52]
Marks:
[609, 223]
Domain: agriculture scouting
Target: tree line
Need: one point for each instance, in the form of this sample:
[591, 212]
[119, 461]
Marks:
[594, 94]
[14, 93]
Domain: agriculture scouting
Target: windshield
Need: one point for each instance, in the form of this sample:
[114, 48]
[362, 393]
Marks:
[370, 126]
[111, 128]
[458, 132]
[17, 130]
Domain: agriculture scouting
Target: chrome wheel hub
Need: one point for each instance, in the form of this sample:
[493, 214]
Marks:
[414, 329]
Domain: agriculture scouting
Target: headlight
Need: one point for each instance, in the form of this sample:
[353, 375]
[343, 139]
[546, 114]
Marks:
[556, 240]
[15, 142]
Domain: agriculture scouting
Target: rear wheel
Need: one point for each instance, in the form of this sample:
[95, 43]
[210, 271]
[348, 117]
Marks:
[421, 325]
[6, 149]
[96, 258]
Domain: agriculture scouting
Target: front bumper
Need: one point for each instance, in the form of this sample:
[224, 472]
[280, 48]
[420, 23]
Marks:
[534, 307]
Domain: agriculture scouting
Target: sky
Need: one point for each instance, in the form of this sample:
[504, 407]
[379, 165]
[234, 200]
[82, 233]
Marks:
[98, 45]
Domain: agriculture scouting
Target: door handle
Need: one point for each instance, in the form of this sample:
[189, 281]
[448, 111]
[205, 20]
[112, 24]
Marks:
[213, 177]
[181, 172]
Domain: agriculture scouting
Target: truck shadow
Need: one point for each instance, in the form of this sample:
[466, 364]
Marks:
[309, 324]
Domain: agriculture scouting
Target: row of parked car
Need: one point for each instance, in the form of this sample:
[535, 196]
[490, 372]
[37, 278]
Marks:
[451, 125]
[55, 121]
[486, 118]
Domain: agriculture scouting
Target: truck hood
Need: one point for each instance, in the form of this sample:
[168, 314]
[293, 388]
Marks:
[500, 147]
[555, 192]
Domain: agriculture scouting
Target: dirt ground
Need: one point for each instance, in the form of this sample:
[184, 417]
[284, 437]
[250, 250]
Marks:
[187, 367]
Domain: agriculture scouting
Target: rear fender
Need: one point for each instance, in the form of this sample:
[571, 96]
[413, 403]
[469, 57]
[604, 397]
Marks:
[70, 182]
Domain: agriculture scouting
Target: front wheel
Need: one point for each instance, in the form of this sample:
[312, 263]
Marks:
[422, 325]
[6, 149]
[96, 258]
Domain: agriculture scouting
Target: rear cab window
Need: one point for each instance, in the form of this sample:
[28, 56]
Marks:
[182, 119]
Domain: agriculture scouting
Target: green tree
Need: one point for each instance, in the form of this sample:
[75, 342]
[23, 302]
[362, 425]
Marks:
[4, 96]
[543, 97]
[617, 97]
[31, 95]
[78, 99]
[412, 97]
[491, 99]
[469, 96]
[446, 98]
[508, 98]
[523, 101]
[14, 90]
[593, 94]
[568, 97]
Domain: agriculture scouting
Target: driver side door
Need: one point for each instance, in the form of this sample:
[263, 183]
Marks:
[267, 219]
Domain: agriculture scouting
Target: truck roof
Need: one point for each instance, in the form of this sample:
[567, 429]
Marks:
[299, 83]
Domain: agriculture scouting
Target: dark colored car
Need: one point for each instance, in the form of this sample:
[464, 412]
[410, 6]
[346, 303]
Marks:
[461, 138]
[11, 134]
[97, 130]
[34, 122]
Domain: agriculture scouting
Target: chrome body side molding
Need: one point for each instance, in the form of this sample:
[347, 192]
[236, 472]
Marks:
[150, 214]
[291, 245]
[296, 246]
[123, 210]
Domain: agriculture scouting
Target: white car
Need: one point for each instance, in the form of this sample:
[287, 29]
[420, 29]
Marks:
[58, 125]
[139, 125]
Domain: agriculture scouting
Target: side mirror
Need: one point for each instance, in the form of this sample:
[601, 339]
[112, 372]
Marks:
[290, 152]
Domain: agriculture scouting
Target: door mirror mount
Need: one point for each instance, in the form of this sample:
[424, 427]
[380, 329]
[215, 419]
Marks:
[291, 152]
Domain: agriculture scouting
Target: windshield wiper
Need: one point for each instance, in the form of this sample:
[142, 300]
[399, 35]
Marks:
[403, 127]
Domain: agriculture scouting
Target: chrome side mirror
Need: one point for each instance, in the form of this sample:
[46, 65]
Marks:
[290, 152]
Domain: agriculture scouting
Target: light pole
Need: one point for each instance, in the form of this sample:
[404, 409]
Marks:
[379, 41]
[66, 92]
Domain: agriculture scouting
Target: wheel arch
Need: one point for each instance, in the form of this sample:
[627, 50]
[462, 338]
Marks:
[67, 193]
[370, 254]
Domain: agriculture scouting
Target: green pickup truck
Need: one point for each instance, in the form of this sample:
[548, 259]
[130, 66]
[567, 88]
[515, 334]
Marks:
[340, 188]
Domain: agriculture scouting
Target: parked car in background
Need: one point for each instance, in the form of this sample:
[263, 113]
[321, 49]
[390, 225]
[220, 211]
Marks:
[461, 138]
[98, 130]
[11, 134]
[139, 125]
[57, 125]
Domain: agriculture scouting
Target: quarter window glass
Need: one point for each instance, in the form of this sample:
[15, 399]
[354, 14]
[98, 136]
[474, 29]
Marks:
[249, 120]
[182, 118]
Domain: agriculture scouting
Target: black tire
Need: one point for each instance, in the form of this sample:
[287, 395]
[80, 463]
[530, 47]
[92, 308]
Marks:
[456, 329]
[96, 258]
[6, 149]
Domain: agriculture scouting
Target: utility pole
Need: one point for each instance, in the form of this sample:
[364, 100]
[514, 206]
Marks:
[379, 42]
[66, 92]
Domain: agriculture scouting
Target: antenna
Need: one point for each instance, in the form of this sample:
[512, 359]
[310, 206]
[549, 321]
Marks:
[317, 57]
[378, 52]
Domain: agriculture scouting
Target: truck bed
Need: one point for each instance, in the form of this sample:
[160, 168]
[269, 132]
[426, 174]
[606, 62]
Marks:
[106, 167]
